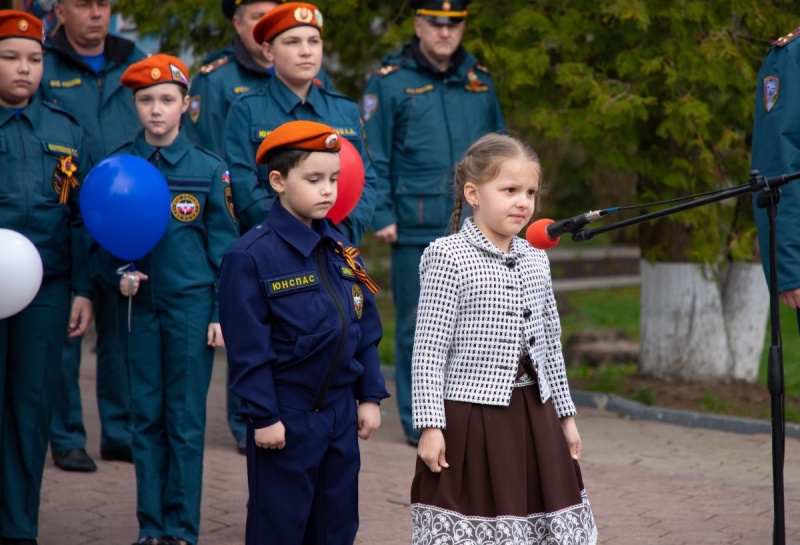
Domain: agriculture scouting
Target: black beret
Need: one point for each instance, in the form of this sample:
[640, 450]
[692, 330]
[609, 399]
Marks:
[229, 6]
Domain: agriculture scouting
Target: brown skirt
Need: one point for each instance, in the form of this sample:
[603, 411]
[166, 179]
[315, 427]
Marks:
[511, 479]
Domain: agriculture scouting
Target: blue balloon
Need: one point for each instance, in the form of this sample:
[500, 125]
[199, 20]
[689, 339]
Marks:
[125, 204]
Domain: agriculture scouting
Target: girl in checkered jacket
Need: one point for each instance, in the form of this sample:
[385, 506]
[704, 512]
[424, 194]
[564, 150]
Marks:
[499, 450]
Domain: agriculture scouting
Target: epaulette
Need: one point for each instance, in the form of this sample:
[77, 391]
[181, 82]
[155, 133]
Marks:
[58, 109]
[783, 40]
[386, 70]
[213, 65]
[481, 68]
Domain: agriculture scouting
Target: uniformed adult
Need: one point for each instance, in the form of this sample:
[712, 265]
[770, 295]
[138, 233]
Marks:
[43, 160]
[291, 37]
[422, 109]
[776, 151]
[83, 64]
[228, 73]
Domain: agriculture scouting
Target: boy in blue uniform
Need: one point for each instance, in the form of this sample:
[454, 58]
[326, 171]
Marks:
[174, 309]
[43, 159]
[422, 110]
[302, 330]
[291, 36]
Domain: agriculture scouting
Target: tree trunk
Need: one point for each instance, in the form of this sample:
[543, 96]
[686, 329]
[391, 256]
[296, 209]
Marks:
[700, 323]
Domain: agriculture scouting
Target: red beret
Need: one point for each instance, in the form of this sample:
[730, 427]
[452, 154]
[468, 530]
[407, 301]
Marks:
[18, 24]
[154, 70]
[299, 135]
[284, 17]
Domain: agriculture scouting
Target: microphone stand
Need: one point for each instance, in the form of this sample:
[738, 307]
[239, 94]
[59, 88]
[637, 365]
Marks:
[768, 197]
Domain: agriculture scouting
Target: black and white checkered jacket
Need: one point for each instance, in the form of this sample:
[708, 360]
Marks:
[478, 308]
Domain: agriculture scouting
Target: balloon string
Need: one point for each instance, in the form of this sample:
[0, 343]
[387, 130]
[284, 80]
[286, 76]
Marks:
[127, 270]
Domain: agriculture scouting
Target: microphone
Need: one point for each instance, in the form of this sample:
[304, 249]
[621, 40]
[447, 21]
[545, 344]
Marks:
[545, 233]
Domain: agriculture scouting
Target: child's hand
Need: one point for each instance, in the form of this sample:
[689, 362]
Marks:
[214, 337]
[573, 437]
[271, 437]
[129, 282]
[431, 449]
[80, 316]
[369, 419]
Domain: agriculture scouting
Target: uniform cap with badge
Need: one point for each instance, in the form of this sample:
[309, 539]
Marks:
[229, 6]
[285, 17]
[18, 24]
[154, 70]
[299, 135]
[440, 12]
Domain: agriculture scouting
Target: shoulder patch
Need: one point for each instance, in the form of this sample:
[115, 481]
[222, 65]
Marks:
[481, 68]
[783, 40]
[388, 69]
[210, 67]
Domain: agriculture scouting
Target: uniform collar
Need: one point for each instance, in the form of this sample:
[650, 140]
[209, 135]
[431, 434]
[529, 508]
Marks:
[288, 100]
[32, 112]
[302, 237]
[243, 57]
[116, 49]
[475, 236]
[171, 154]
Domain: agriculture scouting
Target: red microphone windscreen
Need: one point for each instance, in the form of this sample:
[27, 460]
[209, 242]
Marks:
[537, 234]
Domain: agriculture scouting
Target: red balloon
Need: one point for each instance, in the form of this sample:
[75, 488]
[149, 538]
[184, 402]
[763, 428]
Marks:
[350, 184]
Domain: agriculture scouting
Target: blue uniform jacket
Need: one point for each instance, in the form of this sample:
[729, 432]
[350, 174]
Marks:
[31, 146]
[418, 123]
[256, 114]
[225, 75]
[296, 322]
[99, 102]
[776, 151]
[200, 230]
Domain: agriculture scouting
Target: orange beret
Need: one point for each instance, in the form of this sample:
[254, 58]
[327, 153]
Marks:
[299, 135]
[284, 17]
[154, 70]
[18, 24]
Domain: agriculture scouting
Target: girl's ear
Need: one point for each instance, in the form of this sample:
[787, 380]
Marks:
[277, 182]
[471, 193]
[185, 105]
[267, 49]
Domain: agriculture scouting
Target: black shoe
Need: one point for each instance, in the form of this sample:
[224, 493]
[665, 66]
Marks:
[147, 540]
[72, 460]
[241, 446]
[171, 540]
[7, 541]
[119, 454]
[413, 439]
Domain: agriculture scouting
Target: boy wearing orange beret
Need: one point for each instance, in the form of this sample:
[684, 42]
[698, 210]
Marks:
[302, 332]
[43, 162]
[174, 324]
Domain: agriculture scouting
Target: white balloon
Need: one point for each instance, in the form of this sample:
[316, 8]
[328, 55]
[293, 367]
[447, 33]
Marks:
[20, 272]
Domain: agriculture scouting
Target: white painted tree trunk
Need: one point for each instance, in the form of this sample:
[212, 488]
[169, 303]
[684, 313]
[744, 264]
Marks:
[703, 323]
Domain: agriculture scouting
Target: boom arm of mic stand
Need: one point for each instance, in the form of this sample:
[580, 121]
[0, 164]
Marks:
[756, 184]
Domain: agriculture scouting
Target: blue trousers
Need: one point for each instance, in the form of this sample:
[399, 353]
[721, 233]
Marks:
[306, 493]
[170, 372]
[405, 293]
[30, 355]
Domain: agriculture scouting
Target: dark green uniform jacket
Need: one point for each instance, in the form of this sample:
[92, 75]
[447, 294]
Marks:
[225, 75]
[256, 114]
[200, 230]
[99, 102]
[776, 151]
[31, 146]
[419, 122]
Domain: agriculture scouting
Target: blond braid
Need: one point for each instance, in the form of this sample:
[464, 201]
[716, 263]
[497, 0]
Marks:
[455, 218]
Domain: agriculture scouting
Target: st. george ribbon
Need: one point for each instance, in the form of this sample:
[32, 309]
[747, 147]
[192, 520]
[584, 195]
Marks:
[545, 233]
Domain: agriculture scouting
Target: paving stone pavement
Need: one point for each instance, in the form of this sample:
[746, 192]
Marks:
[649, 483]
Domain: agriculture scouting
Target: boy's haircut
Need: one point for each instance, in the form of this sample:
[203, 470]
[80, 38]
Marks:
[481, 163]
[283, 160]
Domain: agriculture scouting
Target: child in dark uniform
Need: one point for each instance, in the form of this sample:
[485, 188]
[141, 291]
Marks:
[488, 376]
[302, 331]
